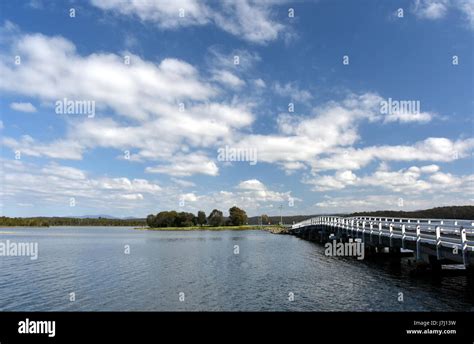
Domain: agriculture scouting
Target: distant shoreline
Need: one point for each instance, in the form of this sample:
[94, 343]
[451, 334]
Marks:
[209, 228]
[270, 228]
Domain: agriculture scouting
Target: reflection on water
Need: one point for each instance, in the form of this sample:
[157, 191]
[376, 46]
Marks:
[91, 263]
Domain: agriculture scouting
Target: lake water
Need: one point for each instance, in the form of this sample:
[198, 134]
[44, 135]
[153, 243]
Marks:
[203, 267]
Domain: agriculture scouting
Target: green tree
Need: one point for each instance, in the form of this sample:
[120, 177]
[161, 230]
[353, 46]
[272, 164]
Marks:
[201, 218]
[237, 216]
[215, 218]
[166, 219]
[150, 220]
[184, 219]
[265, 219]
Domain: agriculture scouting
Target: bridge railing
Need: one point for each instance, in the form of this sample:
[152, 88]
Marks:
[444, 232]
[451, 233]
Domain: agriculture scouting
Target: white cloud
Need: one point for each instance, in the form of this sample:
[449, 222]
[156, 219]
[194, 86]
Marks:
[443, 178]
[59, 149]
[412, 180]
[183, 183]
[56, 184]
[402, 117]
[292, 92]
[228, 79]
[189, 197]
[186, 165]
[259, 83]
[23, 107]
[247, 19]
[138, 90]
[438, 9]
[165, 13]
[339, 181]
[168, 104]
[129, 185]
[132, 197]
[63, 172]
[254, 190]
[251, 184]
[332, 128]
[429, 169]
[467, 8]
[431, 9]
[431, 149]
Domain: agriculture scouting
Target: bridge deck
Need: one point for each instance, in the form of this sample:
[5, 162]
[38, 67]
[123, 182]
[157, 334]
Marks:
[450, 241]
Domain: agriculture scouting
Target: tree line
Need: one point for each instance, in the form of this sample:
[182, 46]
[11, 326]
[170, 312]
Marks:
[67, 221]
[237, 217]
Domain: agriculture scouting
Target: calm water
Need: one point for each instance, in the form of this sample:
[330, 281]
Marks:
[202, 265]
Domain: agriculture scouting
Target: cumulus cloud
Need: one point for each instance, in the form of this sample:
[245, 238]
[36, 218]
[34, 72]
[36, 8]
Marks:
[325, 139]
[251, 184]
[168, 104]
[412, 180]
[139, 90]
[339, 181]
[56, 184]
[254, 190]
[431, 149]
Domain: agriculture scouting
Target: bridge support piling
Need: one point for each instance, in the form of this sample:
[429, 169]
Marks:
[395, 255]
[435, 264]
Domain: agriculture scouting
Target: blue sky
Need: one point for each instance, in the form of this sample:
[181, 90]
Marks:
[167, 96]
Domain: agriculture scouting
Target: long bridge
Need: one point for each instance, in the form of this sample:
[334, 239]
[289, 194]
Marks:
[436, 242]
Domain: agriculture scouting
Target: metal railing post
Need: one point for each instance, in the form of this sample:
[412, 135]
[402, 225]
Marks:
[403, 236]
[418, 243]
[438, 242]
[391, 233]
[363, 231]
[464, 247]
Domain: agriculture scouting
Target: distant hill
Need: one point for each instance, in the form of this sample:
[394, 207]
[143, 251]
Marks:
[101, 216]
[255, 220]
[453, 212]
